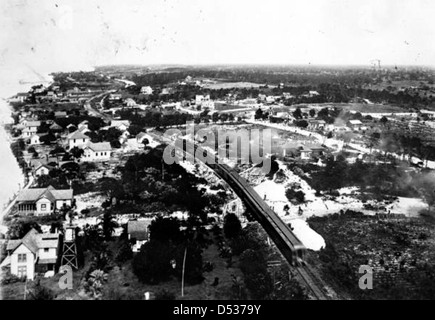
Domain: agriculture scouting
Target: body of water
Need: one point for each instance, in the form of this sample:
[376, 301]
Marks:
[11, 175]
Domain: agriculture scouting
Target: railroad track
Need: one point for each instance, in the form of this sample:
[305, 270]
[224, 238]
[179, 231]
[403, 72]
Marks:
[312, 282]
[288, 244]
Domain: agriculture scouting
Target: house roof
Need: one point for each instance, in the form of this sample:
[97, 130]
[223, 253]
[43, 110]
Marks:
[355, 122]
[29, 240]
[34, 241]
[117, 123]
[138, 229]
[34, 194]
[77, 135]
[140, 135]
[28, 129]
[33, 123]
[101, 146]
[43, 165]
[55, 126]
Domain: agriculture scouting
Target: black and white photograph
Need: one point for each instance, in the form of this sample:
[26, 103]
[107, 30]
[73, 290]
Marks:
[217, 155]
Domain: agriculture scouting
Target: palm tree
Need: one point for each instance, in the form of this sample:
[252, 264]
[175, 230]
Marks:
[108, 224]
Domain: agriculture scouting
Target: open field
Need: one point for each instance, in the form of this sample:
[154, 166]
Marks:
[358, 107]
[229, 85]
[398, 248]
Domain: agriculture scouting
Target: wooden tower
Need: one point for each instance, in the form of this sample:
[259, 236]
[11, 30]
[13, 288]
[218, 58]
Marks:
[69, 254]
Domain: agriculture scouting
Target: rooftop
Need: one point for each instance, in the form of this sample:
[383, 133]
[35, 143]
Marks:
[77, 135]
[101, 146]
[34, 194]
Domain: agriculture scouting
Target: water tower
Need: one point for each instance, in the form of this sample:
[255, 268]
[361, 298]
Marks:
[69, 255]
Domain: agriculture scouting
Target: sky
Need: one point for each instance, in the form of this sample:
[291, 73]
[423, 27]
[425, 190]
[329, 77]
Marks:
[49, 35]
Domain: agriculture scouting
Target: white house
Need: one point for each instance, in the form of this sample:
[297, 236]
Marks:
[147, 90]
[97, 152]
[35, 253]
[34, 139]
[43, 201]
[121, 125]
[78, 139]
[130, 103]
[31, 129]
[42, 170]
[355, 124]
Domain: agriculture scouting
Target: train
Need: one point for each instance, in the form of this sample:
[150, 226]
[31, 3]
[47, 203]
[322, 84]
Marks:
[286, 241]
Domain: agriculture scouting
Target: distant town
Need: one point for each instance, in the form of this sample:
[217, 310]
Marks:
[351, 184]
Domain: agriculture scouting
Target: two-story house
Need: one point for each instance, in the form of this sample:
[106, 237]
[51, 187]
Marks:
[78, 139]
[35, 253]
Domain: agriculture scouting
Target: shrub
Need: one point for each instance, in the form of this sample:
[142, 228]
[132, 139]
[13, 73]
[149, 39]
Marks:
[124, 253]
[232, 226]
[164, 294]
[295, 196]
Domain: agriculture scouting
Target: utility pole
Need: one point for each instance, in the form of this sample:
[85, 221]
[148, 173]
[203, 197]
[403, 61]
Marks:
[25, 289]
[182, 275]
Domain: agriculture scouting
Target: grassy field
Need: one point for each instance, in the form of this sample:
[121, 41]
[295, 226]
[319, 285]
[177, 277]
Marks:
[230, 85]
[400, 250]
[122, 284]
[358, 107]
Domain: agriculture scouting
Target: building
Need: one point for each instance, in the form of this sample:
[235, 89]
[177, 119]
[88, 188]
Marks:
[43, 201]
[309, 151]
[35, 253]
[20, 97]
[115, 97]
[355, 125]
[121, 125]
[41, 170]
[130, 103]
[60, 114]
[147, 90]
[55, 128]
[316, 124]
[78, 139]
[30, 128]
[138, 233]
[34, 140]
[97, 152]
[200, 99]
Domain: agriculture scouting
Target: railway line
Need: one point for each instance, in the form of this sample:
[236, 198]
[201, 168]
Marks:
[286, 241]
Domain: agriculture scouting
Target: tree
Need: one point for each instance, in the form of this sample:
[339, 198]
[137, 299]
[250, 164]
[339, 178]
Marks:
[76, 152]
[57, 150]
[47, 138]
[124, 252]
[384, 120]
[297, 113]
[426, 187]
[301, 123]
[312, 113]
[152, 264]
[18, 229]
[95, 282]
[108, 224]
[165, 230]
[39, 292]
[232, 226]
[258, 114]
